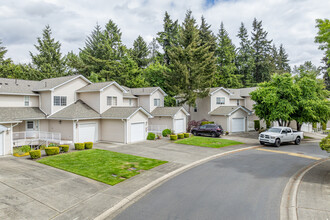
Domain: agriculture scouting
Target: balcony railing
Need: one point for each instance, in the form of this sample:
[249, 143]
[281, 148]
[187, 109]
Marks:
[37, 135]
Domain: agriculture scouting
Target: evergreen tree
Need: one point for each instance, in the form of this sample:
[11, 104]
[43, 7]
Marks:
[225, 61]
[262, 58]
[244, 58]
[283, 61]
[3, 51]
[154, 55]
[168, 37]
[49, 61]
[192, 64]
[324, 70]
[323, 38]
[140, 52]
[206, 35]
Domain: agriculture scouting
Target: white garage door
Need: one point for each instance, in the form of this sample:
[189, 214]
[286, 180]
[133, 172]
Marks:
[1, 144]
[179, 125]
[87, 132]
[238, 125]
[137, 132]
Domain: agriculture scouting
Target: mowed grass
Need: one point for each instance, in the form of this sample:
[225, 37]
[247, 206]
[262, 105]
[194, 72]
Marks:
[208, 142]
[102, 165]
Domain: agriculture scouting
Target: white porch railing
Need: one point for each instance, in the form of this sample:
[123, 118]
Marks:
[37, 135]
[157, 129]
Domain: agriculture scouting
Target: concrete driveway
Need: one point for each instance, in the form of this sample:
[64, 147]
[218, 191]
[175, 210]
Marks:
[29, 190]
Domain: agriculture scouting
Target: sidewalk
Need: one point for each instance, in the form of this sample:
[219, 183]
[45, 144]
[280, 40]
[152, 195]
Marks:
[313, 194]
[180, 157]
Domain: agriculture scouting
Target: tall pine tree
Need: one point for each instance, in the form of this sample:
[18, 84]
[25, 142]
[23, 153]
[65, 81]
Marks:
[244, 58]
[140, 52]
[225, 61]
[283, 61]
[3, 51]
[168, 37]
[192, 64]
[262, 49]
[206, 35]
[49, 61]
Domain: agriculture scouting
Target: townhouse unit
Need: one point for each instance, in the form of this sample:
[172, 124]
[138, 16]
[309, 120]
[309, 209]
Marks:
[230, 108]
[73, 109]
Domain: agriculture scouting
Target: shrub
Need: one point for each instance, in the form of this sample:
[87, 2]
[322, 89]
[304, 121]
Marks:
[186, 135]
[166, 132]
[88, 145]
[325, 144]
[151, 136]
[64, 148]
[79, 146]
[227, 132]
[180, 136]
[52, 150]
[21, 151]
[173, 137]
[207, 122]
[35, 154]
[52, 145]
[192, 124]
[256, 125]
[324, 126]
[42, 147]
[25, 148]
[314, 125]
[268, 124]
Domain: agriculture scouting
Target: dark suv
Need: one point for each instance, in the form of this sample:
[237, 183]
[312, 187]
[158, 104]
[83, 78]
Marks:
[213, 130]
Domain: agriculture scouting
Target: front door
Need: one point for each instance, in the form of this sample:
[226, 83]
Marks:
[31, 127]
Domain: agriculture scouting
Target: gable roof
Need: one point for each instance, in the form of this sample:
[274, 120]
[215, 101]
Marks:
[53, 83]
[168, 111]
[215, 89]
[146, 91]
[228, 110]
[123, 112]
[77, 110]
[18, 86]
[96, 87]
[16, 114]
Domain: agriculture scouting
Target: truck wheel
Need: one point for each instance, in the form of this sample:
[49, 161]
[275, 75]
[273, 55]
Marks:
[213, 134]
[194, 133]
[277, 142]
[297, 141]
[262, 143]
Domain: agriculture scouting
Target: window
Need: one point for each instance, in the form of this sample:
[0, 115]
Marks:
[30, 125]
[26, 100]
[220, 100]
[156, 102]
[112, 100]
[59, 100]
[237, 102]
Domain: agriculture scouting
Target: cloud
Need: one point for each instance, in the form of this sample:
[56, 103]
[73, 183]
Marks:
[290, 22]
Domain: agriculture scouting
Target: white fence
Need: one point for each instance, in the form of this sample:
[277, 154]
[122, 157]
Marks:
[37, 135]
[157, 129]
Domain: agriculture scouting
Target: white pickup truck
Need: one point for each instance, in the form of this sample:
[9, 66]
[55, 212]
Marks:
[278, 135]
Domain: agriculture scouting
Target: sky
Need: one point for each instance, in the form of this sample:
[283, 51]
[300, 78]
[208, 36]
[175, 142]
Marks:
[288, 22]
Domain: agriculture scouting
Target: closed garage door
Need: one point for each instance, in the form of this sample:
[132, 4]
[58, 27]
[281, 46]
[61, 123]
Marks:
[179, 125]
[87, 132]
[1, 144]
[238, 125]
[137, 132]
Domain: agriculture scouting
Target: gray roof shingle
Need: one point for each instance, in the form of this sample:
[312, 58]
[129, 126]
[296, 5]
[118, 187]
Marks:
[165, 111]
[144, 90]
[94, 87]
[226, 110]
[77, 110]
[47, 84]
[119, 112]
[18, 86]
[11, 114]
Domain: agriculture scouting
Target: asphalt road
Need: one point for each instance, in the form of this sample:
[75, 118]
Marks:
[244, 185]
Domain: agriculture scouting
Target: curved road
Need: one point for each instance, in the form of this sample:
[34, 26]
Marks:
[244, 185]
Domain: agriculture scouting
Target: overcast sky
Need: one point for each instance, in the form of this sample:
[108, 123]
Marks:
[290, 22]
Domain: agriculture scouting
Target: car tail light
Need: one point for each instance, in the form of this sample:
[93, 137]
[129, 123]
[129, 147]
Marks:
[218, 129]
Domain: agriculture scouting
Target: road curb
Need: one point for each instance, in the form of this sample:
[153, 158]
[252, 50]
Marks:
[288, 207]
[162, 179]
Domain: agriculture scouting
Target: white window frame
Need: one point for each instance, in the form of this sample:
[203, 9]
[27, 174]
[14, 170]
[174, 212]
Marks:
[112, 100]
[27, 101]
[35, 125]
[220, 100]
[60, 100]
[157, 102]
[63, 101]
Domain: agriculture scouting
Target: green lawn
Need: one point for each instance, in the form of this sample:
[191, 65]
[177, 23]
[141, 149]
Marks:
[208, 142]
[101, 165]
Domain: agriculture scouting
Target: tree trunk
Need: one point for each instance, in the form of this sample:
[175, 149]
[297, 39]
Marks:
[298, 126]
[279, 122]
[289, 124]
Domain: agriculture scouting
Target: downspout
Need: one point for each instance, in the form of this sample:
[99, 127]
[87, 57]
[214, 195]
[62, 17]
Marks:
[125, 130]
[11, 137]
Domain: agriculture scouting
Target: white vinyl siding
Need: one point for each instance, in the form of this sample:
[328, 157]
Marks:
[27, 101]
[112, 100]
[156, 102]
[60, 100]
[220, 100]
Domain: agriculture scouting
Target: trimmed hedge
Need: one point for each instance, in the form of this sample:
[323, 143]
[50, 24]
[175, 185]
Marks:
[324, 126]
[64, 148]
[35, 154]
[52, 150]
[325, 143]
[166, 132]
[256, 125]
[180, 136]
[173, 137]
[79, 146]
[151, 136]
[186, 135]
[88, 145]
[207, 122]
